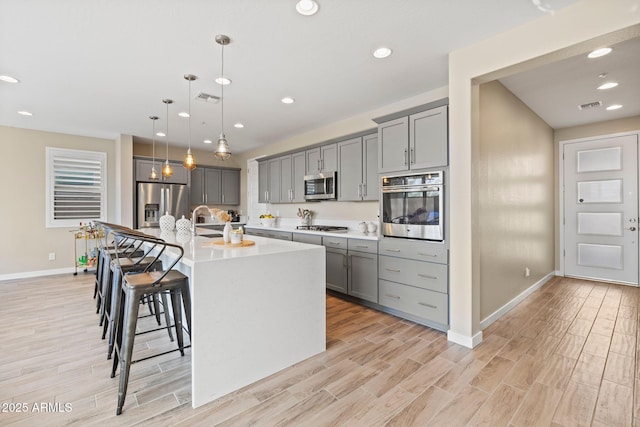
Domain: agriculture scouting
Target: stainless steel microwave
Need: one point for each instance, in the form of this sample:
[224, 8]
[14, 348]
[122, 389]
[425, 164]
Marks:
[321, 186]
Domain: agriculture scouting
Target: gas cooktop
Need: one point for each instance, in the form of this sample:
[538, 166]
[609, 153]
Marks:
[327, 228]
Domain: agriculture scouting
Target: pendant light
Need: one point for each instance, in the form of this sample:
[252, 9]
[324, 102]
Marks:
[167, 170]
[189, 161]
[222, 150]
[153, 175]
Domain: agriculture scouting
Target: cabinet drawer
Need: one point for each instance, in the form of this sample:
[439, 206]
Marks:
[307, 238]
[414, 249]
[335, 242]
[361, 245]
[426, 275]
[423, 303]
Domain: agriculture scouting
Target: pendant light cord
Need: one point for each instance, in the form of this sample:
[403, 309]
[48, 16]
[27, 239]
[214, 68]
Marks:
[189, 115]
[222, 93]
[167, 132]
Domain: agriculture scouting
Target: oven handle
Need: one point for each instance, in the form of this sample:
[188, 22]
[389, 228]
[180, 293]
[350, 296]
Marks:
[406, 189]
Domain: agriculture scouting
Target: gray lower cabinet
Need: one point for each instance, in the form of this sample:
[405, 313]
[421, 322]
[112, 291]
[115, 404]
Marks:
[311, 239]
[272, 234]
[352, 267]
[414, 279]
[143, 170]
[358, 169]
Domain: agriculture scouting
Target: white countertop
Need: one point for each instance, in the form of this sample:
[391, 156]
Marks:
[198, 249]
[351, 234]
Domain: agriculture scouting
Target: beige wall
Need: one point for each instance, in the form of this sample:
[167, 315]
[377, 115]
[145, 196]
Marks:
[577, 28]
[629, 124]
[26, 240]
[515, 197]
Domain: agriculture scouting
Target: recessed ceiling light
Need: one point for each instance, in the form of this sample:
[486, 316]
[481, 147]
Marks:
[238, 125]
[25, 113]
[382, 52]
[161, 134]
[183, 114]
[607, 85]
[9, 79]
[600, 52]
[614, 107]
[207, 141]
[223, 81]
[307, 7]
[288, 100]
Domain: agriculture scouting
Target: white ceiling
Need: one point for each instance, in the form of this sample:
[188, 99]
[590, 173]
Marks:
[101, 67]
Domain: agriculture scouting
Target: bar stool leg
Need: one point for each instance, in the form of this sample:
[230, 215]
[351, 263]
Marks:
[131, 305]
[186, 300]
[167, 318]
[176, 301]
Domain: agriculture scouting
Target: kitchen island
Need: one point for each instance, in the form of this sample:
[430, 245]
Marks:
[255, 310]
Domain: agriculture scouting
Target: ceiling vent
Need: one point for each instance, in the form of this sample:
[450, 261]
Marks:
[207, 98]
[589, 105]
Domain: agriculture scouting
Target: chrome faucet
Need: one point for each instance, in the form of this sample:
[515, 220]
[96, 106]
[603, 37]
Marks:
[193, 217]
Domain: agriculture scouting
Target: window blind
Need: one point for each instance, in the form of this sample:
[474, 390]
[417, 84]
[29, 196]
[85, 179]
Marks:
[76, 186]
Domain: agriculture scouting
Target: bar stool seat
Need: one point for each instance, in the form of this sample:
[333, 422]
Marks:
[133, 288]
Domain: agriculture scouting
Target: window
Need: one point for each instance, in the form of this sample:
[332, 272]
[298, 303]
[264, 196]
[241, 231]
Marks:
[76, 187]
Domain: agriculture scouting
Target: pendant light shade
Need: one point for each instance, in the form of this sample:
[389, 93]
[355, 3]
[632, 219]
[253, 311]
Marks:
[154, 174]
[222, 149]
[189, 160]
[167, 170]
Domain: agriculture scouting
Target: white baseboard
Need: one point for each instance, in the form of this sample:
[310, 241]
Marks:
[508, 306]
[40, 273]
[464, 340]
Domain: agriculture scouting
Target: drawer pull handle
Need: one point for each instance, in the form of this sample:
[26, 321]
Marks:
[362, 246]
[427, 276]
[435, 307]
[392, 250]
[392, 270]
[334, 243]
[392, 296]
[431, 255]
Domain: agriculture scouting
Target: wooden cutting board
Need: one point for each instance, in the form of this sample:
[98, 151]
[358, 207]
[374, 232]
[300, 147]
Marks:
[242, 244]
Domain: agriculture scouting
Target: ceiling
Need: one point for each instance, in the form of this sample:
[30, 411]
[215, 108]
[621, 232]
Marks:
[100, 68]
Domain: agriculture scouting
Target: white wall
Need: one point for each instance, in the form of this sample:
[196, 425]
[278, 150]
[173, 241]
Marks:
[580, 22]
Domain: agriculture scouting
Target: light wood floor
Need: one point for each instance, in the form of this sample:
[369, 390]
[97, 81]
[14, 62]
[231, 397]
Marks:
[566, 356]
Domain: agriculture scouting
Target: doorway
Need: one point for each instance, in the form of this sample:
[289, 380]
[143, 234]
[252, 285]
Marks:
[600, 208]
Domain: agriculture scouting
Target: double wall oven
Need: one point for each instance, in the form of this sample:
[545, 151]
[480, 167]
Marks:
[412, 206]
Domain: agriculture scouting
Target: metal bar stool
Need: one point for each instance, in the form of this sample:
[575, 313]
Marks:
[134, 287]
[123, 265]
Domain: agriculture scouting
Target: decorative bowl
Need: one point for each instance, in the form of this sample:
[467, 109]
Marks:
[268, 222]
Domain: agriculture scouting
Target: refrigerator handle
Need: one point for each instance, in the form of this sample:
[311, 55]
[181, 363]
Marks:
[163, 205]
[169, 205]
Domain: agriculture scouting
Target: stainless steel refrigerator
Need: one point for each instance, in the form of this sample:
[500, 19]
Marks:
[156, 198]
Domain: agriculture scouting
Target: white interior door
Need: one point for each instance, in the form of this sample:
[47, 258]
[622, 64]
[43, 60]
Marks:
[601, 209]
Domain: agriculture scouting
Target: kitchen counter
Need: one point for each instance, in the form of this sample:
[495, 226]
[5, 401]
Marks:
[351, 234]
[255, 310]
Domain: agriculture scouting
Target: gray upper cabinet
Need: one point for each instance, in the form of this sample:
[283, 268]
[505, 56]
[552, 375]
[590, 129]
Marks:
[358, 169]
[230, 187]
[417, 141]
[143, 170]
[428, 137]
[269, 181]
[322, 159]
[292, 171]
[213, 186]
[393, 145]
[350, 170]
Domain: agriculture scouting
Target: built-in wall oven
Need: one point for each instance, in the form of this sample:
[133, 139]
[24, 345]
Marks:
[412, 206]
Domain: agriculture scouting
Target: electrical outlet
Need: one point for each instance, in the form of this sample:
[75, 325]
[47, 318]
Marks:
[52, 256]
[527, 272]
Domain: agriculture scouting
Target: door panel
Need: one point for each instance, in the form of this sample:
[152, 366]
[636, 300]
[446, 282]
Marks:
[601, 209]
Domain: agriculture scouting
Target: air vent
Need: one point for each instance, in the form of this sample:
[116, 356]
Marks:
[588, 105]
[207, 98]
